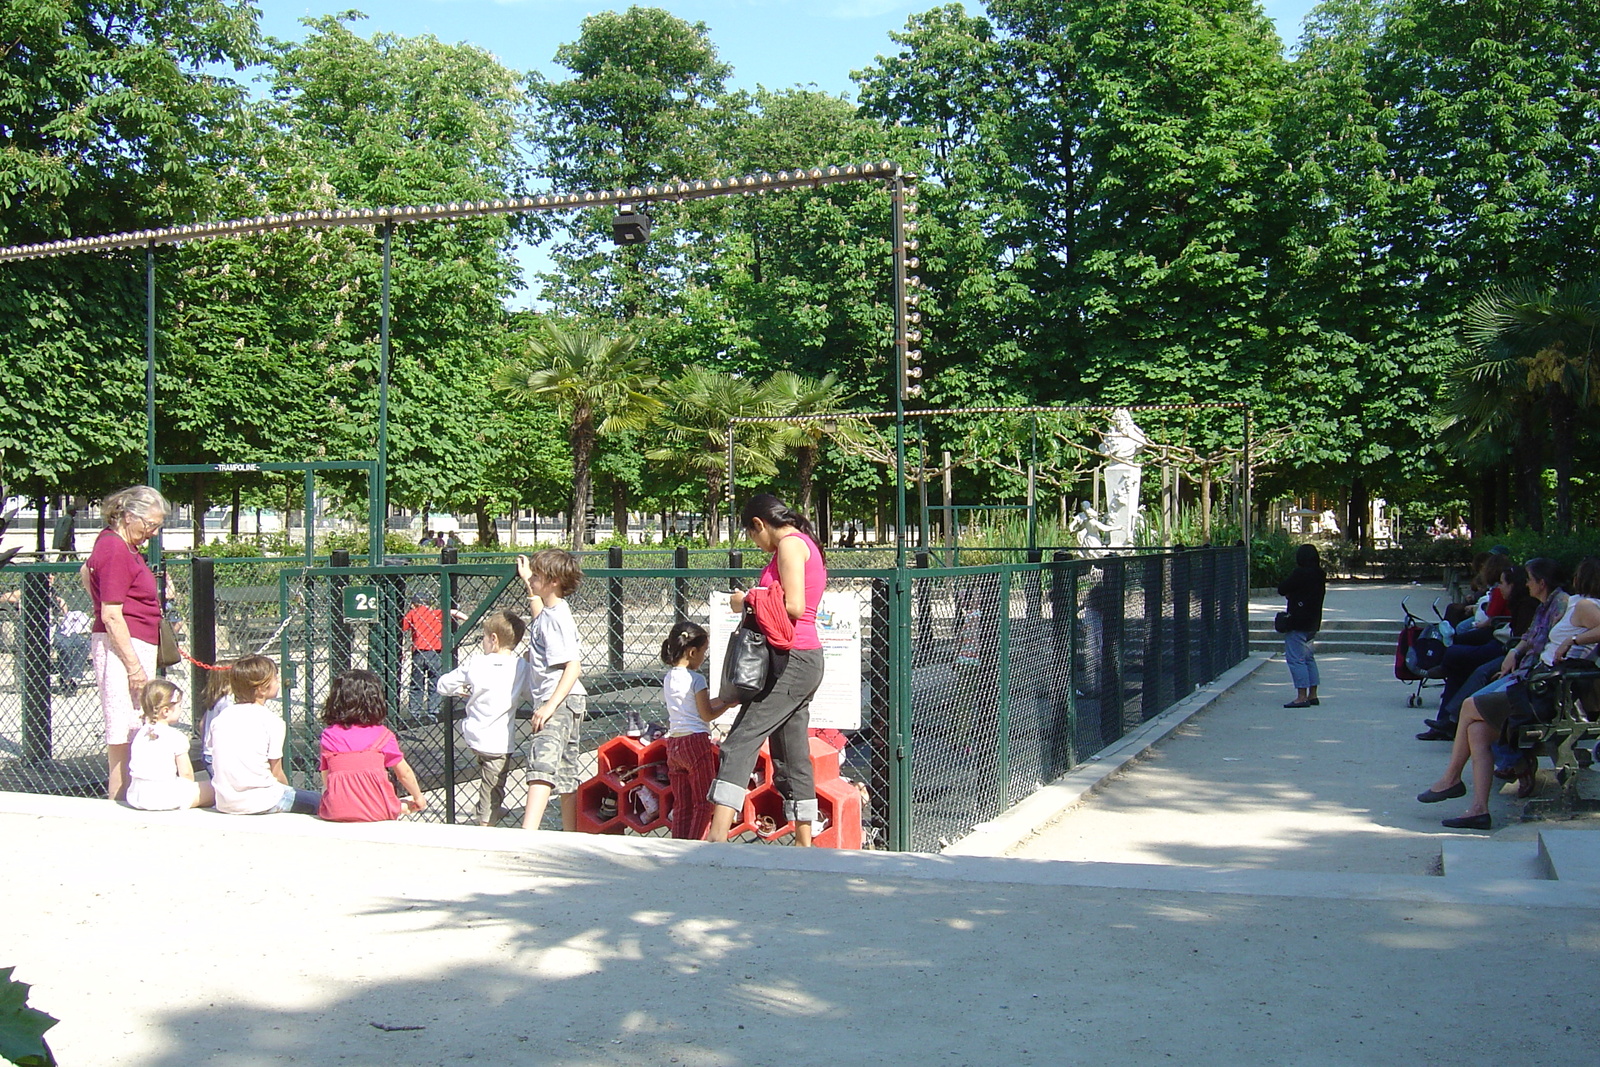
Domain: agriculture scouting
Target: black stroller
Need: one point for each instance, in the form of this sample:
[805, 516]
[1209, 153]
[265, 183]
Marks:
[1419, 653]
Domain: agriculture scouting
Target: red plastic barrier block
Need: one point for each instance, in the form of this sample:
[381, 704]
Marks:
[824, 760]
[644, 807]
[763, 804]
[600, 806]
[839, 803]
[619, 754]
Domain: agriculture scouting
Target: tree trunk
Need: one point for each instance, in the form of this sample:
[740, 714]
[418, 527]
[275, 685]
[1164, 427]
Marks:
[1355, 525]
[1205, 505]
[713, 517]
[38, 510]
[581, 435]
[488, 532]
[233, 520]
[619, 508]
[805, 468]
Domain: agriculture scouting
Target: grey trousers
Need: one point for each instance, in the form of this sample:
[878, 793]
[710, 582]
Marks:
[782, 714]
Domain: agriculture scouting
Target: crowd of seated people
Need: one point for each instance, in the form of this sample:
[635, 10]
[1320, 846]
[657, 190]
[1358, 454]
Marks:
[1482, 711]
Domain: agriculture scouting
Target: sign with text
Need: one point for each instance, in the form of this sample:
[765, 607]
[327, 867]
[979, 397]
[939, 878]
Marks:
[837, 704]
[360, 603]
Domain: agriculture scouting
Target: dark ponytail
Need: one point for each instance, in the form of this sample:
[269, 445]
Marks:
[774, 512]
[683, 636]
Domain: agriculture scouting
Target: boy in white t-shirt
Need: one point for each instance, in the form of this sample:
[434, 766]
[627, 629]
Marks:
[247, 748]
[496, 682]
[558, 697]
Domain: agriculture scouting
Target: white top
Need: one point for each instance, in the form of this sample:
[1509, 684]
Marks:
[224, 701]
[552, 644]
[74, 623]
[678, 688]
[244, 737]
[497, 682]
[1564, 629]
[156, 758]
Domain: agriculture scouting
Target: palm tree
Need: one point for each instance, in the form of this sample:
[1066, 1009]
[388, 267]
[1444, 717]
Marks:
[699, 404]
[815, 408]
[1542, 345]
[596, 382]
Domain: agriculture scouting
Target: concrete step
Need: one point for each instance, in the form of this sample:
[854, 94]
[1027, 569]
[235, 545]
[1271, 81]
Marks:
[1388, 626]
[1485, 861]
[1331, 646]
[1572, 855]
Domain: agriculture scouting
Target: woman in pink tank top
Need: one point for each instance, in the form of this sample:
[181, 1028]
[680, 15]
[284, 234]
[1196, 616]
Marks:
[782, 712]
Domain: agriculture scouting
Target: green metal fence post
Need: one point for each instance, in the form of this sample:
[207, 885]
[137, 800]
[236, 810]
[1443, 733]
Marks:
[1003, 691]
[900, 814]
[614, 634]
[447, 663]
[33, 666]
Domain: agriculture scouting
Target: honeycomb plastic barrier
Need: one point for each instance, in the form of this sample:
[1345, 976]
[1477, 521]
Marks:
[631, 793]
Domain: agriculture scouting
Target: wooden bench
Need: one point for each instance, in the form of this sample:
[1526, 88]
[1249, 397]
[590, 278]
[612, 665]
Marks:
[1577, 719]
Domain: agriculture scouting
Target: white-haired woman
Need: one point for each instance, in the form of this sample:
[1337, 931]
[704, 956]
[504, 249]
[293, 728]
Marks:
[127, 618]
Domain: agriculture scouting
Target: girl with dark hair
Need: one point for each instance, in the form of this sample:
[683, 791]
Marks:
[356, 750]
[691, 754]
[1564, 626]
[782, 713]
[1304, 589]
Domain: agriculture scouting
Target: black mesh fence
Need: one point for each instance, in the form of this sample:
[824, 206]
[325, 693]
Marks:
[976, 684]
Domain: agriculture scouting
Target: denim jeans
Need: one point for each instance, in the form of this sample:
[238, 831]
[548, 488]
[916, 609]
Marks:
[1301, 655]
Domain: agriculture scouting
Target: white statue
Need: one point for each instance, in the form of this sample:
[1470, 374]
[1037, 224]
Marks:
[1124, 440]
[1121, 444]
[1087, 526]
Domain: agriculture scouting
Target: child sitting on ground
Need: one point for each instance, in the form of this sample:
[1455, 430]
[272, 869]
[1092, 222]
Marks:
[495, 682]
[691, 754]
[247, 747]
[160, 775]
[558, 697]
[217, 695]
[357, 748]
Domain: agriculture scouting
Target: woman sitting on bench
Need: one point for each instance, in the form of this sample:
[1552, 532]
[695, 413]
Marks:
[1563, 627]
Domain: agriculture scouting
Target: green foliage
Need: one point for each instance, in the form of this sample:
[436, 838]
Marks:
[22, 1028]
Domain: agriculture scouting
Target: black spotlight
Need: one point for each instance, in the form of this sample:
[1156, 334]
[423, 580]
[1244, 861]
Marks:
[630, 227]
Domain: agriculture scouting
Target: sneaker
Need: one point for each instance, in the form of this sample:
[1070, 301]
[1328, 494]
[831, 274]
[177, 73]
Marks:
[635, 724]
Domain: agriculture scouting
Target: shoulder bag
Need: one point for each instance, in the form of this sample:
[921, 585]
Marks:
[747, 665]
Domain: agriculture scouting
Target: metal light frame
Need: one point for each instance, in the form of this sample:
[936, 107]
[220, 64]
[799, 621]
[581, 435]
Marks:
[384, 220]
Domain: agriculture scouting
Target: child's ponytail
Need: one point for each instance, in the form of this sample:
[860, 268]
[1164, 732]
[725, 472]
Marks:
[158, 693]
[683, 636]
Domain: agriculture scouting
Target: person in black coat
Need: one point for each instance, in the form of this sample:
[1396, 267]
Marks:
[1304, 590]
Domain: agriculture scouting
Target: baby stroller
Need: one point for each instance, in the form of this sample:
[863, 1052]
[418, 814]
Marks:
[1419, 653]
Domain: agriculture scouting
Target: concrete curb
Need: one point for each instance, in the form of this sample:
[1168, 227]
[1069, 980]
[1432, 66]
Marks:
[1027, 817]
[641, 855]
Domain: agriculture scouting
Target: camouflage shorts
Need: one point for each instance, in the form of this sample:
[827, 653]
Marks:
[553, 755]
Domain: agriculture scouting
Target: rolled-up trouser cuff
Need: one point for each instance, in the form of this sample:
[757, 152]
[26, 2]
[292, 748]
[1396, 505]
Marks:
[727, 794]
[800, 810]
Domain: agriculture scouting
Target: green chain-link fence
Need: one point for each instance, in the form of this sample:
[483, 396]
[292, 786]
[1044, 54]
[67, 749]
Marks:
[978, 683]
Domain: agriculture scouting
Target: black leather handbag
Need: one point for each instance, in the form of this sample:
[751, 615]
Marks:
[1283, 622]
[747, 666]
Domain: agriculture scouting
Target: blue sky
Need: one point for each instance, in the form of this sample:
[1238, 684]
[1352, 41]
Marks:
[775, 43]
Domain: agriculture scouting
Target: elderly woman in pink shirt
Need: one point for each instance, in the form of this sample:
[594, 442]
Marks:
[127, 618]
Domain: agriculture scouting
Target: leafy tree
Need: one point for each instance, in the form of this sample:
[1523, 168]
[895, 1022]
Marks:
[598, 384]
[106, 119]
[814, 407]
[698, 406]
[645, 93]
[1537, 349]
